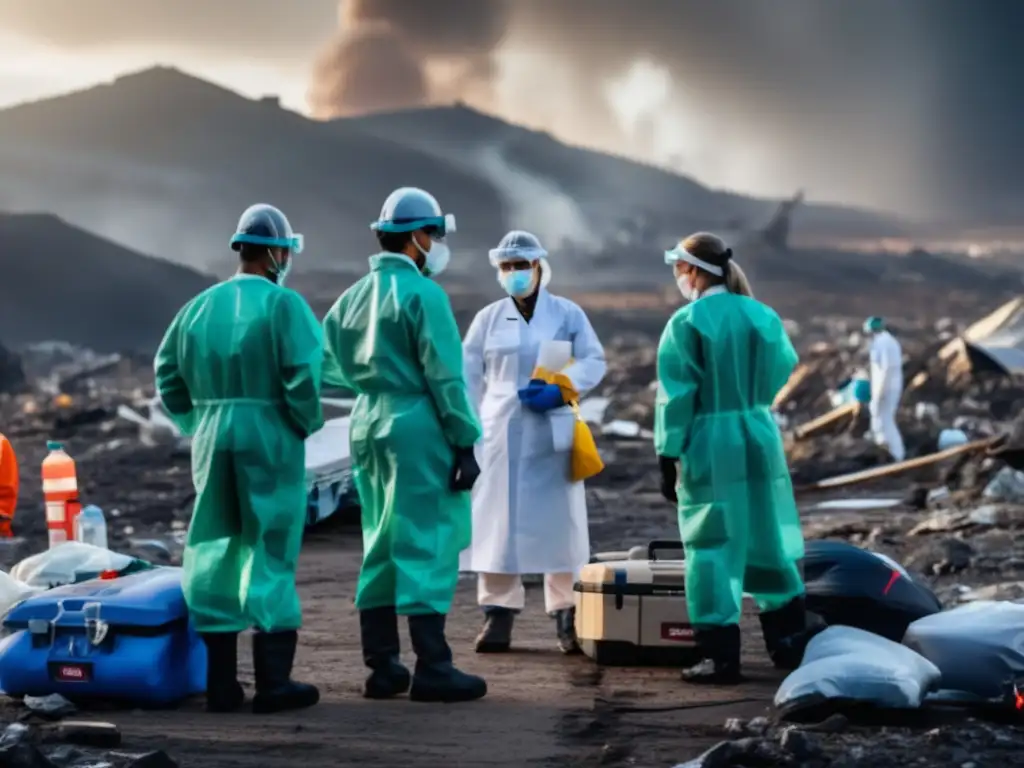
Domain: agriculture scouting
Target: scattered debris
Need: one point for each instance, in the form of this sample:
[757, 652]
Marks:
[836, 743]
[53, 706]
[899, 468]
[22, 746]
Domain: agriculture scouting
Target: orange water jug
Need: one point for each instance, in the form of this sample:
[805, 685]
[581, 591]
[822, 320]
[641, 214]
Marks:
[60, 492]
[8, 487]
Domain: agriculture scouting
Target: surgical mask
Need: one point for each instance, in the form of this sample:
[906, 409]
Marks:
[436, 258]
[686, 288]
[280, 273]
[518, 283]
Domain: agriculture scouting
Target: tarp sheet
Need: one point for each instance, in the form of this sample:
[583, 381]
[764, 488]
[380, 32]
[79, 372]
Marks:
[998, 338]
[327, 453]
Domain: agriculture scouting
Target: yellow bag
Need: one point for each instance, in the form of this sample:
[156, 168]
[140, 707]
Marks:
[586, 461]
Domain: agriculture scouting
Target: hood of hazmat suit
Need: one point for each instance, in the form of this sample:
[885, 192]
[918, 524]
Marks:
[392, 339]
[239, 368]
[721, 361]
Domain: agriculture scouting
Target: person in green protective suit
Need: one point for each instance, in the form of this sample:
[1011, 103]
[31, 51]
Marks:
[240, 370]
[721, 361]
[392, 339]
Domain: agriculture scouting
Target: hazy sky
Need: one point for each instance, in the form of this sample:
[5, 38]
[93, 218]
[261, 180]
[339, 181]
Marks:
[910, 104]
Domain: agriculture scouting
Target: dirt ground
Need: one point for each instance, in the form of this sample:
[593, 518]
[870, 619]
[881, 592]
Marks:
[542, 709]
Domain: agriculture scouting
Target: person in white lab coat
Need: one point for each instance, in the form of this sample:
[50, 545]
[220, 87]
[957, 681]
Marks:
[886, 387]
[528, 517]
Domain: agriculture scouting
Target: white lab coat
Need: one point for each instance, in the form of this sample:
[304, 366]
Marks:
[886, 390]
[527, 515]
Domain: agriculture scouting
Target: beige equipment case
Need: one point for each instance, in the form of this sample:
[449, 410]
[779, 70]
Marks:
[632, 612]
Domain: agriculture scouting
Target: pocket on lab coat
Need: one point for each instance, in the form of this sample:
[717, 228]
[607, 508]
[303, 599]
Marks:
[563, 429]
[501, 360]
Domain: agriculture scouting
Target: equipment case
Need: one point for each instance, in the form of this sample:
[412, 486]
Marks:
[125, 639]
[633, 612]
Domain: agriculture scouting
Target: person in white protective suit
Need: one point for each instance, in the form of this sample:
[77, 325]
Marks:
[886, 387]
[528, 517]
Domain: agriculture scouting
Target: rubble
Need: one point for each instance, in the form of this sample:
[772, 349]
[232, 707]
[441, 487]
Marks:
[140, 488]
[838, 743]
[73, 745]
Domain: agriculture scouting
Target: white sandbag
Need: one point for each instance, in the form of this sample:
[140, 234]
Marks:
[978, 647]
[67, 563]
[853, 665]
[13, 592]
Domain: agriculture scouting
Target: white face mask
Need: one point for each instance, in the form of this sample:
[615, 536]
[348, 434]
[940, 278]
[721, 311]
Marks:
[436, 258]
[281, 275]
[685, 288]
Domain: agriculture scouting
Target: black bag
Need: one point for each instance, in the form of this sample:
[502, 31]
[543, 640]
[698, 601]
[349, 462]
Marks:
[856, 588]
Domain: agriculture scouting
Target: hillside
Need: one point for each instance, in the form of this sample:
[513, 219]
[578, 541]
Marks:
[60, 283]
[164, 162]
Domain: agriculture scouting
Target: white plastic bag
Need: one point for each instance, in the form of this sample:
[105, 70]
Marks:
[978, 647]
[853, 665]
[13, 592]
[66, 564]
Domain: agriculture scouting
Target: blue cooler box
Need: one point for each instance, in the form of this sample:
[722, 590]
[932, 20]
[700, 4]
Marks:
[127, 639]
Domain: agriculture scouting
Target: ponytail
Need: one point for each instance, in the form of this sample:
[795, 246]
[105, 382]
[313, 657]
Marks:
[736, 280]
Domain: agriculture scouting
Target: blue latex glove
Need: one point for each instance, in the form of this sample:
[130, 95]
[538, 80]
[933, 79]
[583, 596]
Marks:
[541, 397]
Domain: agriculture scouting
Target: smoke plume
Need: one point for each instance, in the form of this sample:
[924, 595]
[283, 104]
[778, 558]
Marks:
[915, 105]
[390, 54]
[911, 104]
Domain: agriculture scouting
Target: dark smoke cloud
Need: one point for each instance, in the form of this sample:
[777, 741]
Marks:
[382, 55]
[912, 104]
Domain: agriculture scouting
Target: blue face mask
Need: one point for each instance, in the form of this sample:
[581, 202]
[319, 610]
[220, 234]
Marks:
[518, 283]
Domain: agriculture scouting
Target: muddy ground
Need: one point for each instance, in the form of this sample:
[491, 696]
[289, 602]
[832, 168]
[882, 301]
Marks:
[542, 709]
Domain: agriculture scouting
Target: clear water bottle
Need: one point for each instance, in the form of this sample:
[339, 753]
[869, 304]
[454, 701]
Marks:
[91, 526]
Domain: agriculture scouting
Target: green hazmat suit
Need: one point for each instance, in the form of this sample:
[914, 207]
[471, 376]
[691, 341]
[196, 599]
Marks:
[721, 361]
[240, 369]
[392, 339]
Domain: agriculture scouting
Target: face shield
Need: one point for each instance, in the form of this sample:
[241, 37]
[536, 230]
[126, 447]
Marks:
[679, 254]
[295, 243]
[438, 227]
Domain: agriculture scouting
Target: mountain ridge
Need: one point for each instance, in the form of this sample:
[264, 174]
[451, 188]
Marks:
[62, 283]
[164, 162]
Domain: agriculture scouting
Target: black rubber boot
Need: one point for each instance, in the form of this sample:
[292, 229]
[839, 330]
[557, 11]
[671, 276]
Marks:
[381, 648]
[223, 691]
[565, 623]
[436, 678]
[496, 634]
[787, 630]
[720, 651]
[273, 654]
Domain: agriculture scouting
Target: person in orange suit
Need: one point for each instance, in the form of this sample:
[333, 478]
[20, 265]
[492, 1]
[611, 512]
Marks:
[8, 487]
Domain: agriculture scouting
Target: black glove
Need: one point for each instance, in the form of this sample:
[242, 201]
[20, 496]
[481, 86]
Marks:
[668, 478]
[465, 472]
